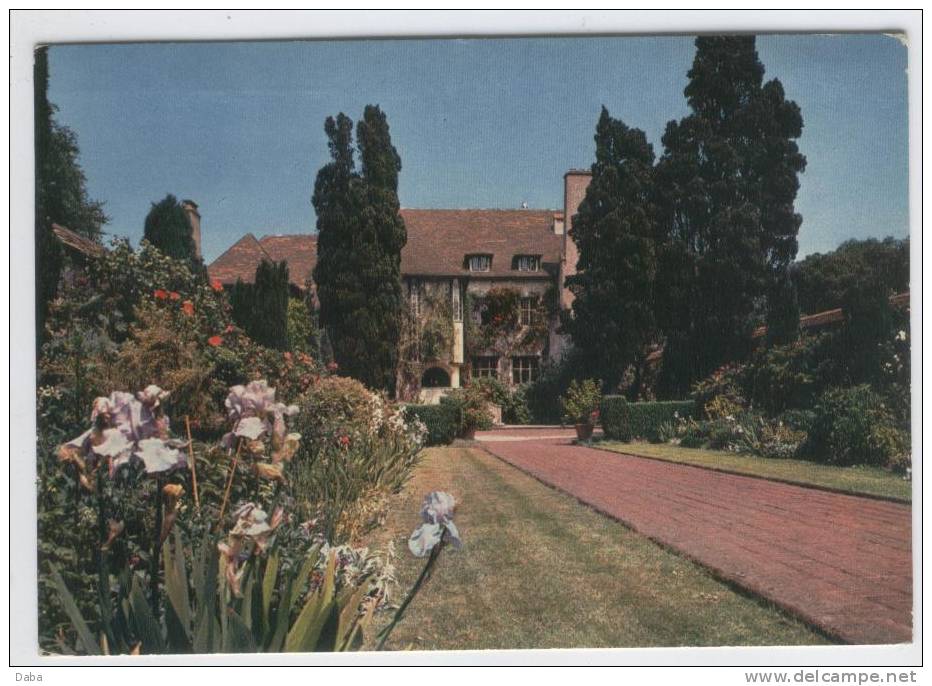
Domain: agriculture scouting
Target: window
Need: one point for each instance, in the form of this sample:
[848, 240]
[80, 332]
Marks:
[414, 295]
[526, 309]
[524, 369]
[527, 263]
[485, 367]
[456, 300]
[479, 263]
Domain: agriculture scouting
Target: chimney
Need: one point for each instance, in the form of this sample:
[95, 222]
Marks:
[194, 221]
[575, 183]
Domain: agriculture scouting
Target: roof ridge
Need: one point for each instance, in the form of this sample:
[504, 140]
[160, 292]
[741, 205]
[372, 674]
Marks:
[480, 209]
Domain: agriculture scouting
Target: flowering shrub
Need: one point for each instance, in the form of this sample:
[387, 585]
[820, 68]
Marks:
[472, 406]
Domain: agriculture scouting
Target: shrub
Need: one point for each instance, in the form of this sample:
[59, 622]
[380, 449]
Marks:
[543, 395]
[722, 392]
[334, 406]
[472, 406]
[581, 401]
[442, 421]
[793, 375]
[512, 401]
[853, 426]
[625, 421]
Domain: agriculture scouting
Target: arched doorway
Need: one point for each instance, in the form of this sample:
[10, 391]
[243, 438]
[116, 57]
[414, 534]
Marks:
[435, 377]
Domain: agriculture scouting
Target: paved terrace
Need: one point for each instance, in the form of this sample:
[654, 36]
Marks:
[841, 562]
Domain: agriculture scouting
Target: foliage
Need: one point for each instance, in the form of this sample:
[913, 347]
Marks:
[513, 401]
[766, 438]
[493, 323]
[262, 308]
[356, 451]
[544, 393]
[723, 390]
[302, 335]
[204, 618]
[625, 421]
[61, 193]
[793, 375]
[167, 228]
[425, 338]
[725, 186]
[782, 311]
[854, 426]
[612, 320]
[472, 406]
[582, 400]
[822, 279]
[360, 237]
[336, 406]
[442, 421]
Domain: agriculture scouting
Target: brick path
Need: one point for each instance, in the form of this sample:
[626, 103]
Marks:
[840, 562]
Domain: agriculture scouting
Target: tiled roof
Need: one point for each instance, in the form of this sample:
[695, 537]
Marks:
[239, 261]
[439, 240]
[300, 251]
[77, 242]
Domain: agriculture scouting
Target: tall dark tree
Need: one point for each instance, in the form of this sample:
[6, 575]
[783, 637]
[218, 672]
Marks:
[261, 308]
[725, 184]
[612, 320]
[61, 192]
[168, 229]
[360, 237]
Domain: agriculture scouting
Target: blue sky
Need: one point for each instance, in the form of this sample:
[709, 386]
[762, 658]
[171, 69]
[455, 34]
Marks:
[238, 127]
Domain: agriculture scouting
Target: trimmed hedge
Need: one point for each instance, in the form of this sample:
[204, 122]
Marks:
[442, 421]
[625, 421]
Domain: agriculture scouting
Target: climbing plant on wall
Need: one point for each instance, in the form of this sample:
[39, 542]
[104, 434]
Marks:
[493, 322]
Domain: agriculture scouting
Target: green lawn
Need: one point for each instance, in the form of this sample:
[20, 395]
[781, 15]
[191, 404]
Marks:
[860, 480]
[540, 570]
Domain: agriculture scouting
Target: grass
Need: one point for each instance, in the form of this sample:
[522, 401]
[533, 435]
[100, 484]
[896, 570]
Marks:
[857, 480]
[540, 570]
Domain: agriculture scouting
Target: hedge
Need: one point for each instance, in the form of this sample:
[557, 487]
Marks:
[442, 421]
[625, 421]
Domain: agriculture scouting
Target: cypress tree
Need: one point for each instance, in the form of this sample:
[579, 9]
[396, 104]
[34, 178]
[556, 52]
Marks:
[360, 237]
[725, 185]
[612, 319]
[167, 228]
[261, 308]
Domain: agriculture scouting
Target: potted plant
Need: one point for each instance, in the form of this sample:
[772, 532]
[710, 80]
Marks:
[474, 411]
[581, 406]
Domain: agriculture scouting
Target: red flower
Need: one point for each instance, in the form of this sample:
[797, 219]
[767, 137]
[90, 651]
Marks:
[160, 294]
[214, 341]
[188, 307]
[174, 296]
[332, 366]
[216, 285]
[344, 441]
[287, 356]
[229, 328]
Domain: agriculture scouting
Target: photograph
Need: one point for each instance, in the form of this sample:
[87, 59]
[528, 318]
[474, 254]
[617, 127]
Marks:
[473, 343]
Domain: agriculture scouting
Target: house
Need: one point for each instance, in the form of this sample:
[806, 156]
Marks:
[484, 288]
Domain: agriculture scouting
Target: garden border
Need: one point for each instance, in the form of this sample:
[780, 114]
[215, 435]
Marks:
[789, 482]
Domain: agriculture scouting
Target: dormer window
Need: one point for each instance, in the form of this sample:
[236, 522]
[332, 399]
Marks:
[479, 263]
[526, 263]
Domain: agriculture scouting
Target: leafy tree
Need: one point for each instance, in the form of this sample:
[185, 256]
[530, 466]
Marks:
[61, 193]
[612, 319]
[261, 308]
[302, 334]
[822, 279]
[725, 186]
[360, 237]
[167, 228]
